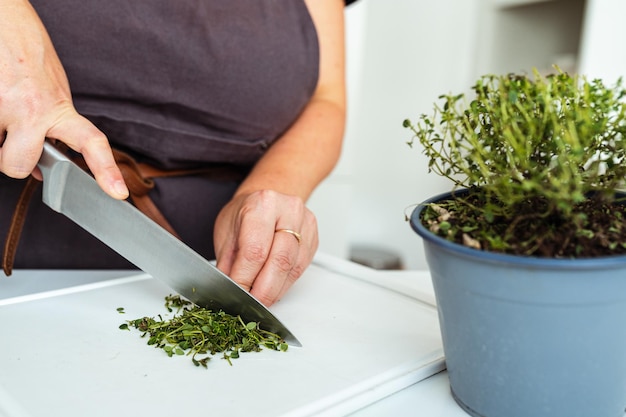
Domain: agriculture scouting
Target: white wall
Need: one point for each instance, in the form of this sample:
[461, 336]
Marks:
[402, 55]
[603, 53]
[414, 51]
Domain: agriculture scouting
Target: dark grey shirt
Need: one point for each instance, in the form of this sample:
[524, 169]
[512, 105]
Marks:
[184, 82]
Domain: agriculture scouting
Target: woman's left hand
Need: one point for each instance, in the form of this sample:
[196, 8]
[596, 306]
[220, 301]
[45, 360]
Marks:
[264, 241]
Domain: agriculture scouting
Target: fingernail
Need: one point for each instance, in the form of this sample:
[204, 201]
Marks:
[120, 189]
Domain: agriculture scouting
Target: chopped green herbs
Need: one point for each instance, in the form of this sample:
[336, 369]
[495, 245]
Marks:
[197, 331]
[121, 310]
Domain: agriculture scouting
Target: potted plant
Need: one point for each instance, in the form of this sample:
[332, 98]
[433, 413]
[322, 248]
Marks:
[528, 252]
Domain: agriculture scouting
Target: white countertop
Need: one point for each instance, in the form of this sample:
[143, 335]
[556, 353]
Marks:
[370, 345]
[428, 398]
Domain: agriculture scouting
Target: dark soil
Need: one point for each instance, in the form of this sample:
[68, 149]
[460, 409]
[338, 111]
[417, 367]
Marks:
[601, 229]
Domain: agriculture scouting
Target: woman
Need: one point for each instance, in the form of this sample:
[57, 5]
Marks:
[257, 86]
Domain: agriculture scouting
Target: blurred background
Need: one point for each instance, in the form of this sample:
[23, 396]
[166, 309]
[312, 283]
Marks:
[403, 54]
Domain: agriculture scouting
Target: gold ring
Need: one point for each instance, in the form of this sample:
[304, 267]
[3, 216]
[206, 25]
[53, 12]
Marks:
[291, 232]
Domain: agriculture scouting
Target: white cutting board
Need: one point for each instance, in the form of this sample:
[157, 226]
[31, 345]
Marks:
[62, 354]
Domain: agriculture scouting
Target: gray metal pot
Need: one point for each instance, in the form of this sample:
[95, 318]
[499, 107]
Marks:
[530, 336]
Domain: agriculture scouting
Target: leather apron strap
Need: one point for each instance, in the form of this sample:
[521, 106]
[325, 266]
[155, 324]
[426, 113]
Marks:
[17, 224]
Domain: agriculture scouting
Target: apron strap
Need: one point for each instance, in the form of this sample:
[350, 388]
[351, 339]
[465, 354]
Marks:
[17, 224]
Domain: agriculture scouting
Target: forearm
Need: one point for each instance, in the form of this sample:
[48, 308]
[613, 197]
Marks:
[304, 155]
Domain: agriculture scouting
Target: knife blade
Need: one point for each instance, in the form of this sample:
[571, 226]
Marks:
[72, 192]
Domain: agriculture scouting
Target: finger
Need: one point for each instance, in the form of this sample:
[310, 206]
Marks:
[226, 235]
[306, 252]
[282, 268]
[82, 136]
[279, 270]
[225, 255]
[253, 247]
[308, 246]
[20, 152]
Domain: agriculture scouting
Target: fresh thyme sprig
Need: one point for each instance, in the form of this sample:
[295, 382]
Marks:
[543, 159]
[557, 138]
[197, 331]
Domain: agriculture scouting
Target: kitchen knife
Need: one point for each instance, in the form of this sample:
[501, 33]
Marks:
[69, 190]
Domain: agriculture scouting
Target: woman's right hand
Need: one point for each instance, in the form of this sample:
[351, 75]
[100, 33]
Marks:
[36, 103]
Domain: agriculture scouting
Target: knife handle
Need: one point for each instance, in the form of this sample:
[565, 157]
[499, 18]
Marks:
[50, 156]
